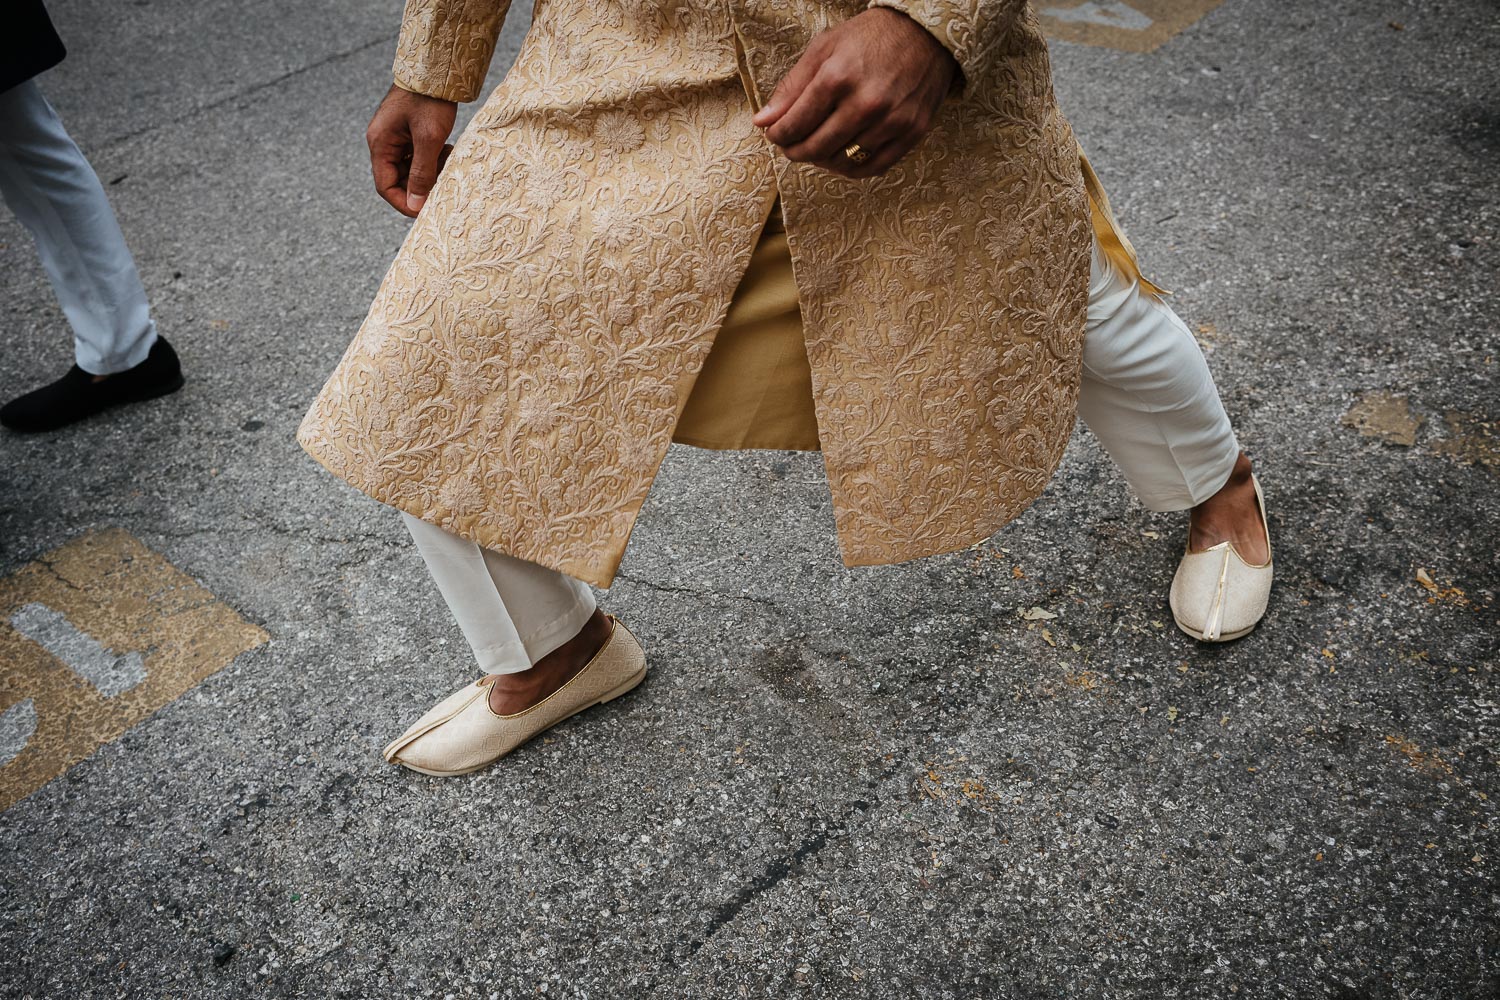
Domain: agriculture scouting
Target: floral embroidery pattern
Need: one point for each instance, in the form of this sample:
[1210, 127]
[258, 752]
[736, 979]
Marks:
[519, 374]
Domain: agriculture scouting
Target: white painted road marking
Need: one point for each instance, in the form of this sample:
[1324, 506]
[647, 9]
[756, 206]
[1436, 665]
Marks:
[1136, 26]
[17, 723]
[1110, 14]
[110, 674]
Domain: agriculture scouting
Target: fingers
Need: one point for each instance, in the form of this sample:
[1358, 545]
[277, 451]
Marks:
[887, 141]
[814, 119]
[427, 154]
[881, 159]
[885, 151]
[851, 117]
[789, 96]
[872, 121]
[388, 162]
[390, 153]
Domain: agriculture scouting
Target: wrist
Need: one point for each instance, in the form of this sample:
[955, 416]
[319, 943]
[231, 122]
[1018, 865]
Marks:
[912, 14]
[405, 91]
[903, 21]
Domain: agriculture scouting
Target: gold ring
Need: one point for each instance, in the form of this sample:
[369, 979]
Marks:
[856, 152]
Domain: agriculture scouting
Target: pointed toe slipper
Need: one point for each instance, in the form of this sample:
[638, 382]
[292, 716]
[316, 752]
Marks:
[1216, 595]
[461, 733]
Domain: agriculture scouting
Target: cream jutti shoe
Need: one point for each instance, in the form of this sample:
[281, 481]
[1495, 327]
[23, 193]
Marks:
[1216, 595]
[461, 734]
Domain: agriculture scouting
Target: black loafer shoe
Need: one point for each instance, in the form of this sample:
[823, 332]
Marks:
[76, 395]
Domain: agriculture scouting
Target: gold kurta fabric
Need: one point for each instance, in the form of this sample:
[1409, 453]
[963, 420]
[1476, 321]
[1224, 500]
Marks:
[522, 368]
[755, 387]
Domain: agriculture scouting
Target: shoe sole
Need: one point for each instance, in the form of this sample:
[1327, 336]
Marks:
[164, 390]
[1226, 637]
[629, 685]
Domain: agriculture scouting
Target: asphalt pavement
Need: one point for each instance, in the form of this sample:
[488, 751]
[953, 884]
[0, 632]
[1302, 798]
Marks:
[1001, 773]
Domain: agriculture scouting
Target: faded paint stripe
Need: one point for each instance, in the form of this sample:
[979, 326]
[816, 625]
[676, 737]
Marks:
[112, 675]
[1133, 26]
[1108, 15]
[17, 723]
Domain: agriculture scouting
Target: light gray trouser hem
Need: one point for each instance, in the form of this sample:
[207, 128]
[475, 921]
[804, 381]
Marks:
[512, 612]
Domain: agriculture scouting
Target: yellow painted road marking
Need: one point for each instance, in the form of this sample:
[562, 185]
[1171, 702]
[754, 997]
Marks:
[94, 638]
[112, 675]
[1129, 25]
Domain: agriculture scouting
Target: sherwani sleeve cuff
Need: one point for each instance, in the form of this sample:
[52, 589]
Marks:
[445, 46]
[969, 29]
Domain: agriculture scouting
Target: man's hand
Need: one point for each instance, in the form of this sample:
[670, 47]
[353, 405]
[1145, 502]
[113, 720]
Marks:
[876, 79]
[406, 139]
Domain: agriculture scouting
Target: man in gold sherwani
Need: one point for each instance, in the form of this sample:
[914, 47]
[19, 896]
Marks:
[861, 226]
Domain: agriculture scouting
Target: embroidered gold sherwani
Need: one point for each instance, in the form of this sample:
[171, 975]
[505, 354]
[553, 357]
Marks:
[520, 373]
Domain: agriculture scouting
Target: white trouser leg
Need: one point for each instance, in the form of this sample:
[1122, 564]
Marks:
[513, 612]
[1148, 396]
[57, 196]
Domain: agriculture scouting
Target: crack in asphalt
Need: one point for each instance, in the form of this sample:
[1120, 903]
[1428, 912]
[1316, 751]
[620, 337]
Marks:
[789, 865]
[667, 588]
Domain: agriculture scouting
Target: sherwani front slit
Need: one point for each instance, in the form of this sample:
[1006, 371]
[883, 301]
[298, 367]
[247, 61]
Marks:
[755, 388]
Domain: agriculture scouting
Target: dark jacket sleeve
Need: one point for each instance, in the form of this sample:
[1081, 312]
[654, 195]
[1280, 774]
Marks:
[28, 42]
